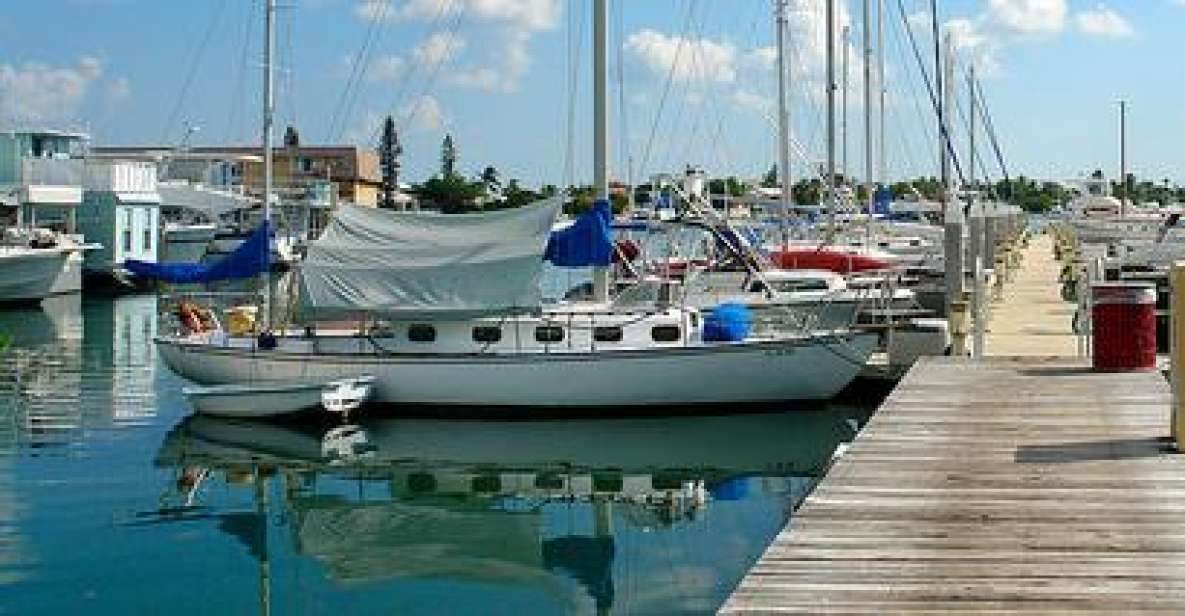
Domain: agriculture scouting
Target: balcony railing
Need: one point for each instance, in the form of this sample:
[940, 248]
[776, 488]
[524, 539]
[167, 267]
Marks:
[51, 171]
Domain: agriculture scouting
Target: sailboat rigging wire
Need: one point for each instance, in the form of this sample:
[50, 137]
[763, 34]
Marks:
[575, 41]
[232, 121]
[215, 18]
[356, 70]
[405, 77]
[666, 91]
[991, 131]
[930, 89]
[430, 82]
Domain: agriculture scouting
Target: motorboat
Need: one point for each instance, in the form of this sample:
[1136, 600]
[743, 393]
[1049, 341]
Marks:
[262, 399]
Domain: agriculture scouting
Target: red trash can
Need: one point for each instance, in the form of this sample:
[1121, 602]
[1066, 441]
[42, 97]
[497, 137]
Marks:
[1124, 326]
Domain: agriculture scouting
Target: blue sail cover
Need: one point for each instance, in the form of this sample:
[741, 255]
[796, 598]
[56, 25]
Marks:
[587, 242]
[251, 258]
[882, 200]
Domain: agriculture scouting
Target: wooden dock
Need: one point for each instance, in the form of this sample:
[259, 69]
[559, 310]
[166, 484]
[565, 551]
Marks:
[1012, 484]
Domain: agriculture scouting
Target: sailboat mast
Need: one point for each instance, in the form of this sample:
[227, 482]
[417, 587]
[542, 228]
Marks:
[868, 186]
[1122, 158]
[269, 105]
[601, 125]
[845, 170]
[783, 119]
[830, 192]
[882, 174]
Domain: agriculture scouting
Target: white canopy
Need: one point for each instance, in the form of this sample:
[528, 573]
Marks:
[427, 265]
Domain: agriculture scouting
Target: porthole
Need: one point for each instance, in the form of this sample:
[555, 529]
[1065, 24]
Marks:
[421, 333]
[666, 333]
[487, 335]
[610, 333]
[549, 334]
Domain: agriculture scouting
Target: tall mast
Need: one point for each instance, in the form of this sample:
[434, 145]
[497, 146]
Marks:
[971, 129]
[269, 105]
[1122, 158]
[882, 174]
[783, 119]
[868, 185]
[845, 170]
[601, 125]
[830, 193]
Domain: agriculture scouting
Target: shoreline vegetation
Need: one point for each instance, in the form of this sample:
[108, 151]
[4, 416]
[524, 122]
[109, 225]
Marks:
[452, 192]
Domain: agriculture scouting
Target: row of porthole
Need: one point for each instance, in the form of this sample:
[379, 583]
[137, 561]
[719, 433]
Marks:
[546, 334]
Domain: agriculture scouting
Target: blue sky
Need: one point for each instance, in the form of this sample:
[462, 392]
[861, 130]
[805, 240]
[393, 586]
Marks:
[496, 74]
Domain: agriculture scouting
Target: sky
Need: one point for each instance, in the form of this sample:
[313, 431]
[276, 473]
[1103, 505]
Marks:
[693, 81]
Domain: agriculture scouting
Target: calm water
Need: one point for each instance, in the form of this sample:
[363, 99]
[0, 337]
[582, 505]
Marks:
[113, 500]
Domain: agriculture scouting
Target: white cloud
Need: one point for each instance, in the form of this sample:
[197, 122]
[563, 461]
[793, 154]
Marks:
[686, 60]
[438, 48]
[387, 68]
[422, 114]
[534, 15]
[973, 42]
[1029, 16]
[503, 64]
[117, 92]
[36, 92]
[1104, 22]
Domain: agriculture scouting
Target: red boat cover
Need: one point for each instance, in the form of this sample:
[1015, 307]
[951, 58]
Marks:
[826, 259]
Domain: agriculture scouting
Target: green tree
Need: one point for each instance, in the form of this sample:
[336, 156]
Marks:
[451, 194]
[389, 151]
[448, 157]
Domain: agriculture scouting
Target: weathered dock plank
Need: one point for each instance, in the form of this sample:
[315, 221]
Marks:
[1015, 484]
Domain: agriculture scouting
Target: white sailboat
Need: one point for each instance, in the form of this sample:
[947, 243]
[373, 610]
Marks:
[447, 311]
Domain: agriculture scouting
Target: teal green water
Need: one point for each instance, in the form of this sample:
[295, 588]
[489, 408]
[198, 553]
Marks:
[113, 500]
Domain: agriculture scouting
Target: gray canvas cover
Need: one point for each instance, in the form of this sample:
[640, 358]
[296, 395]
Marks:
[426, 265]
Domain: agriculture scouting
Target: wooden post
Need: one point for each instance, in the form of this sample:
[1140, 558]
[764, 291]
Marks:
[1177, 353]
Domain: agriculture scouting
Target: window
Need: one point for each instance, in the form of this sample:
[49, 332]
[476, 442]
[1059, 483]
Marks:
[127, 231]
[666, 333]
[549, 334]
[421, 333]
[147, 230]
[487, 335]
[607, 334]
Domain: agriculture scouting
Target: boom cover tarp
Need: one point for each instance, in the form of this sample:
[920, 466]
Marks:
[251, 258]
[426, 265]
[587, 242]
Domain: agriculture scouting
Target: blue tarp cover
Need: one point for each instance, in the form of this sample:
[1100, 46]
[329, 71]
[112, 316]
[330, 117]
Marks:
[882, 200]
[251, 258]
[587, 242]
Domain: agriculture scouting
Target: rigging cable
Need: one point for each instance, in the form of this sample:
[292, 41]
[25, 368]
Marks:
[233, 120]
[954, 156]
[356, 70]
[193, 68]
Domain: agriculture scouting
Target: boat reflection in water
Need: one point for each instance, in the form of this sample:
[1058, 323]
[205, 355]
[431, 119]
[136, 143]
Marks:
[628, 515]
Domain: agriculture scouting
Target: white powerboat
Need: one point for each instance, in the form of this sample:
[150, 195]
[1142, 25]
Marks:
[28, 274]
[262, 399]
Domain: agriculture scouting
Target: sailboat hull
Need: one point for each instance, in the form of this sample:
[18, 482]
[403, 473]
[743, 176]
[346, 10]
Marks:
[752, 372]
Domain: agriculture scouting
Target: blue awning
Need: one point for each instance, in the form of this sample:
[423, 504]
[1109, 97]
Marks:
[251, 258]
[587, 242]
